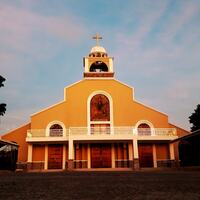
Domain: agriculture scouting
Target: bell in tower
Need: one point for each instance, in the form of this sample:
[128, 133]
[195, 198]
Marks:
[98, 63]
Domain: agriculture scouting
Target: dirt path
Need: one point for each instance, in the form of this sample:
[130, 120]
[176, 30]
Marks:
[101, 185]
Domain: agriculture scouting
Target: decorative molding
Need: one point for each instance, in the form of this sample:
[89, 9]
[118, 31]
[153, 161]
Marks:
[98, 74]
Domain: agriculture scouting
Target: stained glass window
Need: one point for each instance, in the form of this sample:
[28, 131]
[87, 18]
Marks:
[99, 108]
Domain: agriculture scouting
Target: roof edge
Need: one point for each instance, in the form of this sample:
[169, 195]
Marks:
[47, 108]
[15, 129]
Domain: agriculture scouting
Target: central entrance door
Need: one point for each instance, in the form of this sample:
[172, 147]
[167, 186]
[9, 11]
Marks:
[55, 155]
[145, 155]
[100, 155]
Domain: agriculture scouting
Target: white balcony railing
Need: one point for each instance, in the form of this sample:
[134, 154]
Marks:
[76, 131]
[156, 131]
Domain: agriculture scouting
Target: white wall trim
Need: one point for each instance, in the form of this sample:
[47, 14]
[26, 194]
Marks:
[47, 108]
[14, 129]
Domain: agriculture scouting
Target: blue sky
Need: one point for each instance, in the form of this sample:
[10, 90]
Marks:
[155, 45]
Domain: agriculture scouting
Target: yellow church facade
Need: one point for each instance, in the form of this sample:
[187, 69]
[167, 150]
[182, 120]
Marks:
[99, 124]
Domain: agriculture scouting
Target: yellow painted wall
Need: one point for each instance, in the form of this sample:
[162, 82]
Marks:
[162, 151]
[38, 152]
[19, 136]
[81, 152]
[73, 111]
[180, 131]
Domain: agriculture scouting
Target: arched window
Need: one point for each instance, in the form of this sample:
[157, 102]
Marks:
[144, 129]
[98, 66]
[99, 108]
[100, 112]
[56, 130]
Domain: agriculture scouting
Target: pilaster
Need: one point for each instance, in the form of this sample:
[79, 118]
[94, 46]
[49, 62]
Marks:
[130, 154]
[30, 153]
[46, 157]
[135, 155]
[88, 157]
[64, 157]
[154, 156]
[113, 155]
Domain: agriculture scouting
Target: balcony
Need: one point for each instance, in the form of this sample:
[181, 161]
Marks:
[42, 135]
[100, 133]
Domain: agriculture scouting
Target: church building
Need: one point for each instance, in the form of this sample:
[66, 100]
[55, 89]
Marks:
[99, 124]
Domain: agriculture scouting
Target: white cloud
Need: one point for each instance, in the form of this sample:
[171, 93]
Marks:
[182, 17]
[20, 29]
[166, 71]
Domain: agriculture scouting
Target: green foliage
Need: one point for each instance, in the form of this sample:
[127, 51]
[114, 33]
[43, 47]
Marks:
[2, 105]
[2, 79]
[2, 108]
[194, 119]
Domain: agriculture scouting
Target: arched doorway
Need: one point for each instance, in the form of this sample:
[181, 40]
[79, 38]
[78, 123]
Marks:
[55, 151]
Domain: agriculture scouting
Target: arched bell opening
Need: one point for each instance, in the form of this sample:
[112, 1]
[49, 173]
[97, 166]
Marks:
[98, 66]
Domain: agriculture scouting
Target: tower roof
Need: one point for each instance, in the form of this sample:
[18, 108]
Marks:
[98, 49]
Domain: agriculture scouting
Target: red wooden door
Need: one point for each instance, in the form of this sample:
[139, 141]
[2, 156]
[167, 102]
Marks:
[55, 156]
[100, 156]
[145, 155]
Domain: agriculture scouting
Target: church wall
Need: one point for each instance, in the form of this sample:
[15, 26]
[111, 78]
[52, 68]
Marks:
[73, 112]
[80, 153]
[38, 152]
[19, 136]
[162, 151]
[84, 89]
[180, 132]
[126, 111]
[43, 118]
[141, 112]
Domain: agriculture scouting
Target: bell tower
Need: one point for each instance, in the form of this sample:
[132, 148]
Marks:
[98, 63]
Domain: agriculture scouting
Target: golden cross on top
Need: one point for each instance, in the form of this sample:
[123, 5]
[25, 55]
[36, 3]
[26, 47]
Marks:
[97, 37]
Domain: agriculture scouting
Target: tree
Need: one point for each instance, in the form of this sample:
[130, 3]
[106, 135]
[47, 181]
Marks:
[194, 119]
[2, 105]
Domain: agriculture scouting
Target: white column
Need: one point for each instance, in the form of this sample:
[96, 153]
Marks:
[46, 157]
[30, 152]
[89, 157]
[111, 64]
[154, 156]
[71, 149]
[113, 155]
[86, 65]
[135, 149]
[171, 151]
[64, 156]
